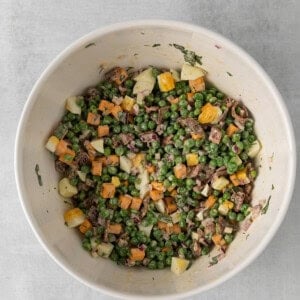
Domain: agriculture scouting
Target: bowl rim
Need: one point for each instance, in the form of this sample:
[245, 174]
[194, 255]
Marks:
[175, 25]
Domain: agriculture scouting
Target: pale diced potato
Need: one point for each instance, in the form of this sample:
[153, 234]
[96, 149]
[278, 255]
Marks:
[144, 84]
[94, 243]
[205, 191]
[142, 183]
[125, 164]
[81, 175]
[220, 183]
[195, 236]
[254, 149]
[146, 229]
[74, 217]
[66, 189]
[175, 217]
[146, 76]
[189, 72]
[105, 249]
[175, 74]
[160, 206]
[199, 215]
[72, 105]
[52, 143]
[179, 265]
[228, 230]
[98, 145]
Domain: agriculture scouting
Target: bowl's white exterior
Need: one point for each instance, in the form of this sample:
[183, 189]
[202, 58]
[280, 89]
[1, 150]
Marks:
[130, 44]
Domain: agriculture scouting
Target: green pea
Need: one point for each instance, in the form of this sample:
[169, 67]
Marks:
[205, 250]
[189, 182]
[220, 95]
[120, 151]
[213, 213]
[228, 238]
[198, 97]
[202, 159]
[232, 216]
[74, 181]
[240, 217]
[182, 223]
[112, 170]
[162, 103]
[107, 151]
[168, 261]
[232, 167]
[213, 163]
[236, 137]
[152, 265]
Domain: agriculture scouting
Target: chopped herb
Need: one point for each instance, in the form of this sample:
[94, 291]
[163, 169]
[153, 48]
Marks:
[247, 236]
[39, 177]
[89, 45]
[189, 56]
[142, 32]
[272, 187]
[213, 261]
[135, 54]
[270, 168]
[218, 47]
[68, 157]
[61, 131]
[155, 45]
[229, 73]
[266, 207]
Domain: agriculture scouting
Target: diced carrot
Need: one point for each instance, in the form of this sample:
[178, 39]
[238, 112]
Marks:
[137, 254]
[180, 171]
[210, 201]
[240, 177]
[93, 119]
[190, 97]
[114, 228]
[156, 195]
[85, 226]
[125, 201]
[67, 157]
[162, 225]
[116, 110]
[170, 205]
[218, 240]
[112, 160]
[108, 190]
[173, 192]
[103, 130]
[175, 229]
[165, 249]
[173, 100]
[197, 85]
[62, 147]
[150, 169]
[119, 75]
[159, 186]
[197, 136]
[231, 129]
[136, 203]
[96, 167]
[106, 107]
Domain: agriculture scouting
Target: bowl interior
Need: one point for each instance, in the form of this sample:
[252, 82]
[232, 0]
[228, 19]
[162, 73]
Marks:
[131, 45]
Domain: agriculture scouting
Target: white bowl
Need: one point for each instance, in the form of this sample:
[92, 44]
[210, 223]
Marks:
[130, 44]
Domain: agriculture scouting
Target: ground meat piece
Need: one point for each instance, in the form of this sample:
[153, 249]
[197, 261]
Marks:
[92, 215]
[135, 109]
[126, 138]
[196, 249]
[131, 146]
[193, 171]
[61, 167]
[246, 224]
[115, 141]
[148, 137]
[117, 100]
[91, 93]
[238, 198]
[240, 117]
[90, 183]
[122, 243]
[160, 129]
[229, 102]
[72, 171]
[192, 124]
[209, 226]
[144, 209]
[215, 135]
[161, 113]
[256, 210]
[83, 187]
[122, 89]
[168, 140]
[117, 75]
[150, 109]
[82, 158]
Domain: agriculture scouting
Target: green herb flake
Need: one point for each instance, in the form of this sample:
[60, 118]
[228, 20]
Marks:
[39, 177]
[68, 157]
[229, 74]
[89, 45]
[155, 45]
[189, 56]
[266, 207]
[272, 187]
[213, 261]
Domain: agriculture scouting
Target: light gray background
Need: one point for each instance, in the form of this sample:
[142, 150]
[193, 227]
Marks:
[32, 33]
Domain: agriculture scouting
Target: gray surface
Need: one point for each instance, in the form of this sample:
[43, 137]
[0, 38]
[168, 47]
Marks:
[32, 33]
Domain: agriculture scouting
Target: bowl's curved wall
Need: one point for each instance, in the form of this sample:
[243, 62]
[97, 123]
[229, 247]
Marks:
[130, 44]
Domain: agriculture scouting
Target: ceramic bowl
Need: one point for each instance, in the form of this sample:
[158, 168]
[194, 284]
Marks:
[131, 44]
